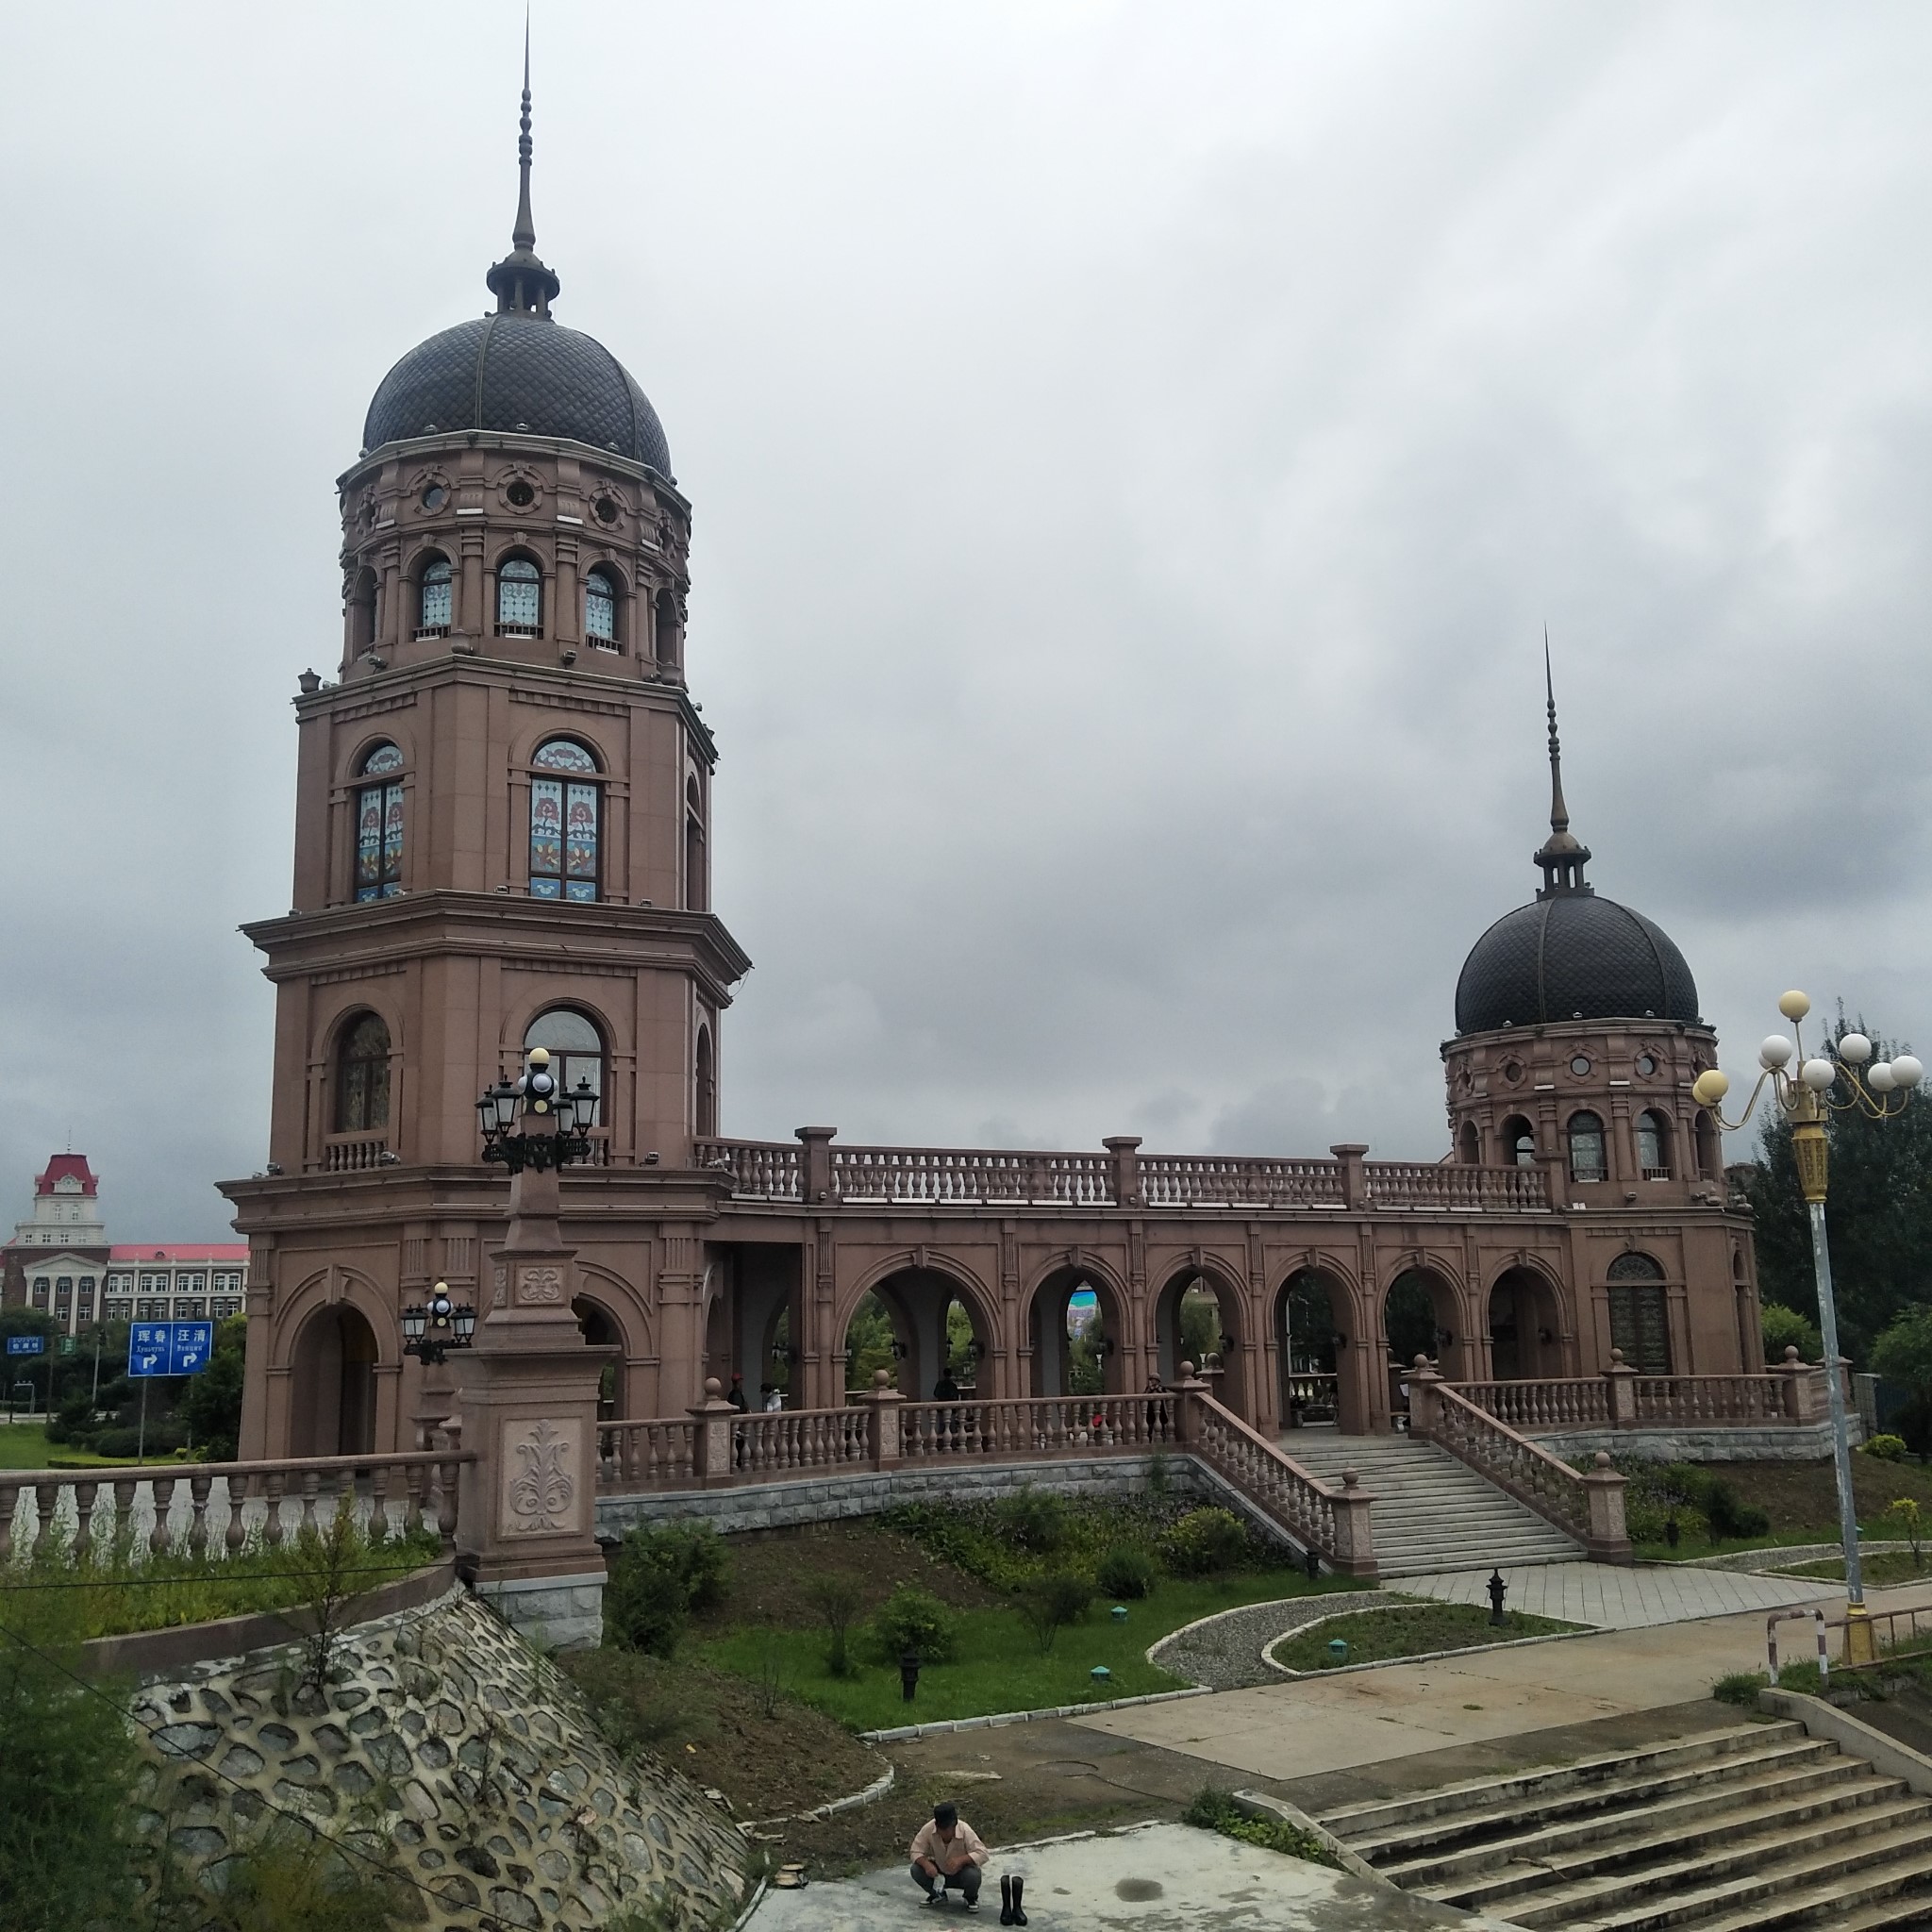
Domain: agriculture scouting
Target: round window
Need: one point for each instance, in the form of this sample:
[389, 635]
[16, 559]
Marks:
[1580, 1065]
[435, 496]
[1513, 1071]
[606, 509]
[521, 494]
[1646, 1064]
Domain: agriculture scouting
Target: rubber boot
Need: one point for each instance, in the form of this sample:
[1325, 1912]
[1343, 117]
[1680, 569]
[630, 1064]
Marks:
[1018, 1881]
[1005, 1898]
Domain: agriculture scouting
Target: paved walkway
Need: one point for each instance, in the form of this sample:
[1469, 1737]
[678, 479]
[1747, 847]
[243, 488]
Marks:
[1151, 1876]
[1613, 1597]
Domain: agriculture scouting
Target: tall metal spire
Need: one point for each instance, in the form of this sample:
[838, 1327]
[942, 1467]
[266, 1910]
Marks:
[521, 283]
[1561, 857]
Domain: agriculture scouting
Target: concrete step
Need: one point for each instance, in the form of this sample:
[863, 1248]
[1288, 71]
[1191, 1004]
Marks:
[1381, 1816]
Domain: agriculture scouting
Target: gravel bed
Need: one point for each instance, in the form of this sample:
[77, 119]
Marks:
[1224, 1653]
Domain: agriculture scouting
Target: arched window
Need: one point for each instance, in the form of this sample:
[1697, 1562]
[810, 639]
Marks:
[705, 1089]
[362, 613]
[565, 822]
[379, 824]
[363, 1077]
[518, 599]
[1586, 1148]
[1519, 1141]
[667, 627]
[694, 894]
[1639, 1317]
[434, 599]
[1472, 1145]
[600, 610]
[575, 1049]
[1654, 1146]
[1709, 1151]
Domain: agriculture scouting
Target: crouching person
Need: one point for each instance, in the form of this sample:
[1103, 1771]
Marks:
[948, 1856]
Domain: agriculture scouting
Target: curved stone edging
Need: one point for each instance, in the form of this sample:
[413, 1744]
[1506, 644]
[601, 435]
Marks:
[877, 1789]
[941, 1726]
[1426, 1656]
[1275, 1613]
[1782, 1556]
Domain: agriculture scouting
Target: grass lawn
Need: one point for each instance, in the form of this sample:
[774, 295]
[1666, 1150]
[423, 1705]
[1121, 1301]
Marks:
[1407, 1630]
[998, 1666]
[24, 1446]
[1882, 1567]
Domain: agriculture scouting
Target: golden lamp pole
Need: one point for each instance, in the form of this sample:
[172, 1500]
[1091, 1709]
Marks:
[1881, 1093]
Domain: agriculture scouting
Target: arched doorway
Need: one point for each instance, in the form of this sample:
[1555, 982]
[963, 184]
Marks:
[334, 1385]
[1198, 1319]
[599, 1327]
[1311, 1344]
[1419, 1318]
[1075, 1330]
[925, 1326]
[1525, 1330]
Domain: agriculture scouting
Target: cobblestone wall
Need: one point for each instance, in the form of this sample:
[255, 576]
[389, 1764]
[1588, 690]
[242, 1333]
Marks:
[442, 1735]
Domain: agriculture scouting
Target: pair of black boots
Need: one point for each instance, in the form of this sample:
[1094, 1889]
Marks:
[1010, 1888]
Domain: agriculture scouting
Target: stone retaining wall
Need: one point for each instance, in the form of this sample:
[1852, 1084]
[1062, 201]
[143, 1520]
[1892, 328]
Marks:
[1789, 1442]
[442, 1735]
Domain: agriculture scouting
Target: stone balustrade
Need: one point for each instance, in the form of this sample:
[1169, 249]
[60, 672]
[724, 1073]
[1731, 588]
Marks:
[1575, 1402]
[1621, 1398]
[199, 1507]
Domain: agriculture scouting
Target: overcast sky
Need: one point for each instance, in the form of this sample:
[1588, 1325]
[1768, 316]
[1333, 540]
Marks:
[1135, 450]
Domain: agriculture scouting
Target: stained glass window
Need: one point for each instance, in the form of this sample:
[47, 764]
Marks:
[379, 826]
[1640, 1316]
[1586, 1148]
[436, 605]
[564, 824]
[519, 598]
[600, 610]
[362, 1078]
[574, 1046]
[1654, 1146]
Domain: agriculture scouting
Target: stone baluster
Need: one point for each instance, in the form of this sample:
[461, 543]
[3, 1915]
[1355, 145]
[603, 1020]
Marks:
[123, 1508]
[412, 1507]
[311, 1487]
[236, 1534]
[162, 1489]
[378, 1504]
[198, 1487]
[271, 1489]
[84, 1494]
[449, 1475]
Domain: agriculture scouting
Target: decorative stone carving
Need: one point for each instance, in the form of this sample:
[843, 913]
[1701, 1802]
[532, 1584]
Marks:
[539, 1286]
[541, 1492]
[499, 1293]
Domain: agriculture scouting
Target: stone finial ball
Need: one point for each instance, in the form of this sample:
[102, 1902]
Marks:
[1187, 1372]
[1602, 1458]
[1422, 1362]
[1616, 1357]
[1351, 1480]
[879, 1379]
[1790, 1352]
[713, 1388]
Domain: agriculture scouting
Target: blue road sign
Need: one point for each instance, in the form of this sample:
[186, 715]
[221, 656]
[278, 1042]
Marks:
[148, 1348]
[27, 1344]
[192, 1343]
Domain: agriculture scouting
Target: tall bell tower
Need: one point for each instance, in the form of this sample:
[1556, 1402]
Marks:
[503, 813]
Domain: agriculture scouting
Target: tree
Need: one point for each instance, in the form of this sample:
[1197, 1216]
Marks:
[1786, 1328]
[1904, 1358]
[211, 1408]
[869, 1338]
[1879, 1213]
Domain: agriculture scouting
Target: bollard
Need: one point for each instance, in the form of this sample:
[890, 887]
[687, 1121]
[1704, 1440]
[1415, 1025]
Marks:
[909, 1676]
[1498, 1591]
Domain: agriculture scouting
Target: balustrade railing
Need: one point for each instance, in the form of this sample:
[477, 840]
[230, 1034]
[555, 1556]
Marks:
[1710, 1401]
[220, 1507]
[760, 1169]
[659, 1453]
[1455, 1187]
[971, 1176]
[1491, 1447]
[1035, 1426]
[1577, 1402]
[793, 1441]
[1311, 1396]
[1193, 1180]
[352, 1153]
[1333, 1519]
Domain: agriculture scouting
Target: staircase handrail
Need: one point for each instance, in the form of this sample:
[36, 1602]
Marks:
[1588, 1507]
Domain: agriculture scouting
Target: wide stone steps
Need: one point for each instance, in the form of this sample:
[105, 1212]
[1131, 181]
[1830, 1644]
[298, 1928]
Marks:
[1746, 1829]
[1432, 1512]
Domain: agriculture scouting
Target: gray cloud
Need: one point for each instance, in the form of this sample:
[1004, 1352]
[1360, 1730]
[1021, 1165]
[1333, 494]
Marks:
[1135, 454]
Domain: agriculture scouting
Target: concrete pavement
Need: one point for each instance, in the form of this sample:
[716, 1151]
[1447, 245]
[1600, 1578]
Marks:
[1613, 1597]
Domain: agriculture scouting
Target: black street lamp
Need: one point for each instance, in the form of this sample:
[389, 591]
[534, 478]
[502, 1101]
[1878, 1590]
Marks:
[538, 1092]
[429, 1332]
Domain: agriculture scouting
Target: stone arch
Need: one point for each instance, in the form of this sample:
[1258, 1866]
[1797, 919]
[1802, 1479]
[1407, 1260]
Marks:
[334, 1358]
[1315, 1331]
[1524, 1316]
[601, 1328]
[1421, 1315]
[916, 1288]
[1195, 1282]
[1054, 1363]
[1470, 1144]
[1518, 1143]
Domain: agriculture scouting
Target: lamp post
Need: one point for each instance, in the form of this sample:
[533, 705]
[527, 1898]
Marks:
[1881, 1093]
[431, 1330]
[537, 1092]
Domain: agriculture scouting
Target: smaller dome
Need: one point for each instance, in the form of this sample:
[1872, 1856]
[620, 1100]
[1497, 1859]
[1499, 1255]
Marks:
[517, 373]
[1573, 956]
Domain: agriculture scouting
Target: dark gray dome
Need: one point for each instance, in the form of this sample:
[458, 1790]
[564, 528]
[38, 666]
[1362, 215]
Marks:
[519, 373]
[1568, 956]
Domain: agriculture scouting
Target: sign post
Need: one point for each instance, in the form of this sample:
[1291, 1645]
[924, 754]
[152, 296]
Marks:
[165, 1348]
[32, 1345]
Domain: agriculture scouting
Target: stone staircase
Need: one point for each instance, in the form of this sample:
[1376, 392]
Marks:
[1738, 1830]
[1432, 1511]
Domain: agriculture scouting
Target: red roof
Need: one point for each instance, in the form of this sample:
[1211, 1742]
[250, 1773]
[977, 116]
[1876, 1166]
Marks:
[63, 1167]
[182, 1251]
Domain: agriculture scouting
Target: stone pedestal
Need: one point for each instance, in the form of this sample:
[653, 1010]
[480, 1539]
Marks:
[526, 1393]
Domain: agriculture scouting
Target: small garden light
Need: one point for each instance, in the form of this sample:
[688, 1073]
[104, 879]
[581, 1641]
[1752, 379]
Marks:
[909, 1676]
[1118, 1613]
[1338, 1650]
[1101, 1675]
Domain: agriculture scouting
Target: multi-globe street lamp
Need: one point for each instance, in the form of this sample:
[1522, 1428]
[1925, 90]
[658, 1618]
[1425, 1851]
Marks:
[538, 1092]
[431, 1329]
[1821, 1084]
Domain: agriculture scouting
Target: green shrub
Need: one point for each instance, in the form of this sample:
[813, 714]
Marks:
[1730, 1517]
[1035, 1520]
[836, 1599]
[1050, 1603]
[1786, 1328]
[1885, 1448]
[1741, 1688]
[657, 1580]
[915, 1619]
[1202, 1541]
[1125, 1574]
[1213, 1809]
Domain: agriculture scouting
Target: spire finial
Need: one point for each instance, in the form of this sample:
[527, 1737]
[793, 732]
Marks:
[521, 283]
[1561, 857]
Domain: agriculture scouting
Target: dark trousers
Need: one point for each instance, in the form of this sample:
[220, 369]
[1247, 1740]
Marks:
[965, 1879]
